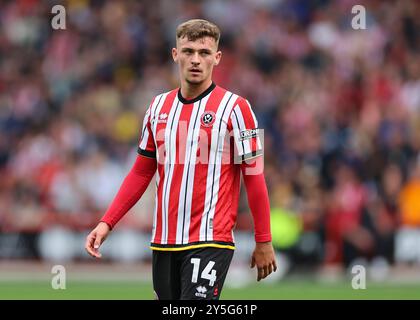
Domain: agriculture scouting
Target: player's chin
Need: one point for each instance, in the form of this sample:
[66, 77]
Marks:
[194, 80]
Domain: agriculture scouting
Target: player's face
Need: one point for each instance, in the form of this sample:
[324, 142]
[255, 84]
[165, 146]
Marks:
[196, 59]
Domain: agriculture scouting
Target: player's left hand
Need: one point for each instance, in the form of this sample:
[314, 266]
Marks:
[264, 258]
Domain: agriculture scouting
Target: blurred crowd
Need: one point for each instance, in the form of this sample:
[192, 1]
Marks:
[340, 109]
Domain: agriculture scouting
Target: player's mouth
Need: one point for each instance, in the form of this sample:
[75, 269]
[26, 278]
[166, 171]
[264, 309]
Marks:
[195, 71]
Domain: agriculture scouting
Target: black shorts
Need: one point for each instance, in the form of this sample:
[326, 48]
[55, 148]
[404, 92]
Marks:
[196, 274]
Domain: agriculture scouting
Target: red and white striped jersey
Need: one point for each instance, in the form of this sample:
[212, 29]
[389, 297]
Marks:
[198, 145]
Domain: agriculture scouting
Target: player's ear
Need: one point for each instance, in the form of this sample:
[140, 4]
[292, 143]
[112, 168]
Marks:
[175, 54]
[218, 57]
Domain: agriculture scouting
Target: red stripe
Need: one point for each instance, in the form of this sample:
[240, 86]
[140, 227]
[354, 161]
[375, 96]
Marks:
[161, 168]
[200, 177]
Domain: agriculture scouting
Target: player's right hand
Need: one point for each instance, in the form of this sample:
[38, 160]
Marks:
[96, 238]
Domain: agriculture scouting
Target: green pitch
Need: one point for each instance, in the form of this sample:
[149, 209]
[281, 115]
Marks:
[143, 291]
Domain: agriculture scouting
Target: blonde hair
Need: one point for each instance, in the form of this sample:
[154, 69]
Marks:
[196, 29]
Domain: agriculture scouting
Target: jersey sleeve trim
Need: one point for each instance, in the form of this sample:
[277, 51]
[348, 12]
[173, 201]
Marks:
[146, 153]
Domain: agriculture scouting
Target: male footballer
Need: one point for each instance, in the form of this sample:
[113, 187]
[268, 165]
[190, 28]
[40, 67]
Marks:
[198, 139]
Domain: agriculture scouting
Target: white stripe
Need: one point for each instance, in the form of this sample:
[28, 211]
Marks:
[170, 159]
[185, 198]
[242, 126]
[214, 167]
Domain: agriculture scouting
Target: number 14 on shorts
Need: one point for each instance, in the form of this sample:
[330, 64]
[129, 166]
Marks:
[208, 273]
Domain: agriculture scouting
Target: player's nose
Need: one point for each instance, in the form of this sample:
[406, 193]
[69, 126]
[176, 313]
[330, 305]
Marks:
[195, 59]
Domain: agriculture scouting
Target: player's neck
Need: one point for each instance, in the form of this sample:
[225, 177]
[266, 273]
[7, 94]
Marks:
[190, 91]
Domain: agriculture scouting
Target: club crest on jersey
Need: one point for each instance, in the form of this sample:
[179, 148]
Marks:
[208, 118]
